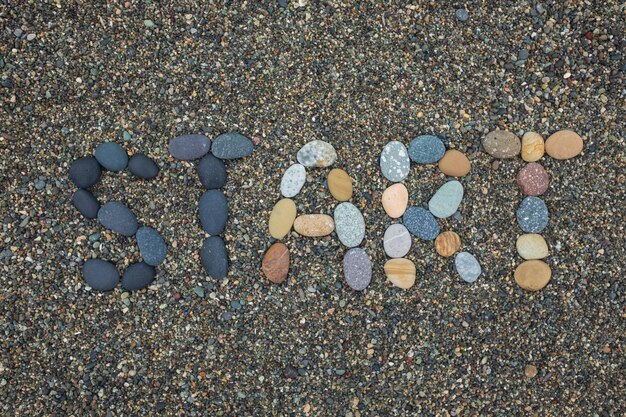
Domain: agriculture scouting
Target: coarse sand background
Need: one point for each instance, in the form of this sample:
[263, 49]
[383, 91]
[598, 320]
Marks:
[76, 74]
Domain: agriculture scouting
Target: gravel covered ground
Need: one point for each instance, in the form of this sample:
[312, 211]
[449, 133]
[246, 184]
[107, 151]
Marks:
[357, 76]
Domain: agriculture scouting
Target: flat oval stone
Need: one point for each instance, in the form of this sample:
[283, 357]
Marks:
[394, 161]
[213, 209]
[317, 153]
[281, 218]
[421, 223]
[340, 184]
[111, 156]
[532, 246]
[151, 245]
[86, 203]
[532, 215]
[533, 275]
[502, 144]
[314, 225]
[188, 147]
[85, 172]
[426, 149]
[137, 276]
[533, 147]
[357, 269]
[293, 180]
[455, 164]
[533, 179]
[397, 241]
[447, 243]
[211, 172]
[400, 272]
[275, 263]
[117, 217]
[564, 144]
[467, 266]
[143, 167]
[231, 145]
[395, 200]
[100, 275]
[446, 200]
[214, 258]
[349, 224]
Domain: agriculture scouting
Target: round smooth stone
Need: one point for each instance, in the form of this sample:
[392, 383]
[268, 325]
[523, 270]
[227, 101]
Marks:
[117, 217]
[467, 266]
[211, 172]
[394, 161]
[143, 167]
[533, 179]
[533, 147]
[400, 272]
[564, 144]
[137, 276]
[275, 263]
[213, 209]
[214, 258]
[455, 164]
[446, 200]
[502, 144]
[532, 215]
[232, 145]
[395, 200]
[447, 243]
[426, 149]
[111, 156]
[314, 225]
[293, 180]
[397, 241]
[533, 275]
[532, 246]
[340, 184]
[421, 223]
[188, 147]
[357, 269]
[281, 218]
[85, 172]
[86, 203]
[349, 224]
[462, 14]
[100, 275]
[317, 153]
[151, 245]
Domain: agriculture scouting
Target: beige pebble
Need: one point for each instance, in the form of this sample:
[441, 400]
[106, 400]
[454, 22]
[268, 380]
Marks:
[532, 246]
[533, 147]
[533, 275]
[564, 144]
[340, 184]
[281, 218]
[530, 371]
[455, 164]
[314, 225]
[400, 272]
[395, 200]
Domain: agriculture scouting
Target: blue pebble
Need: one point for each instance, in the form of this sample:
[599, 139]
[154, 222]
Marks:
[137, 276]
[85, 172]
[117, 217]
[532, 215]
[462, 15]
[86, 203]
[426, 149]
[143, 167]
[214, 258]
[100, 275]
[151, 245]
[231, 146]
[213, 210]
[111, 156]
[188, 147]
[421, 223]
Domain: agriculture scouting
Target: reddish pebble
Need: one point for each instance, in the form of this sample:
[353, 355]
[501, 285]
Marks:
[533, 179]
[589, 35]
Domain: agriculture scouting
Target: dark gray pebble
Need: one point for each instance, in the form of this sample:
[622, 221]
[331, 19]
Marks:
[100, 275]
[143, 167]
[188, 147]
[85, 172]
[212, 172]
[421, 223]
[117, 217]
[232, 146]
[137, 276]
[111, 156]
[213, 210]
[151, 245]
[86, 203]
[532, 215]
[426, 149]
[214, 257]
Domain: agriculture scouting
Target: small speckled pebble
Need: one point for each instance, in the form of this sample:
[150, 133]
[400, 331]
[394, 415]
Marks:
[394, 161]
[357, 269]
[532, 215]
[421, 223]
